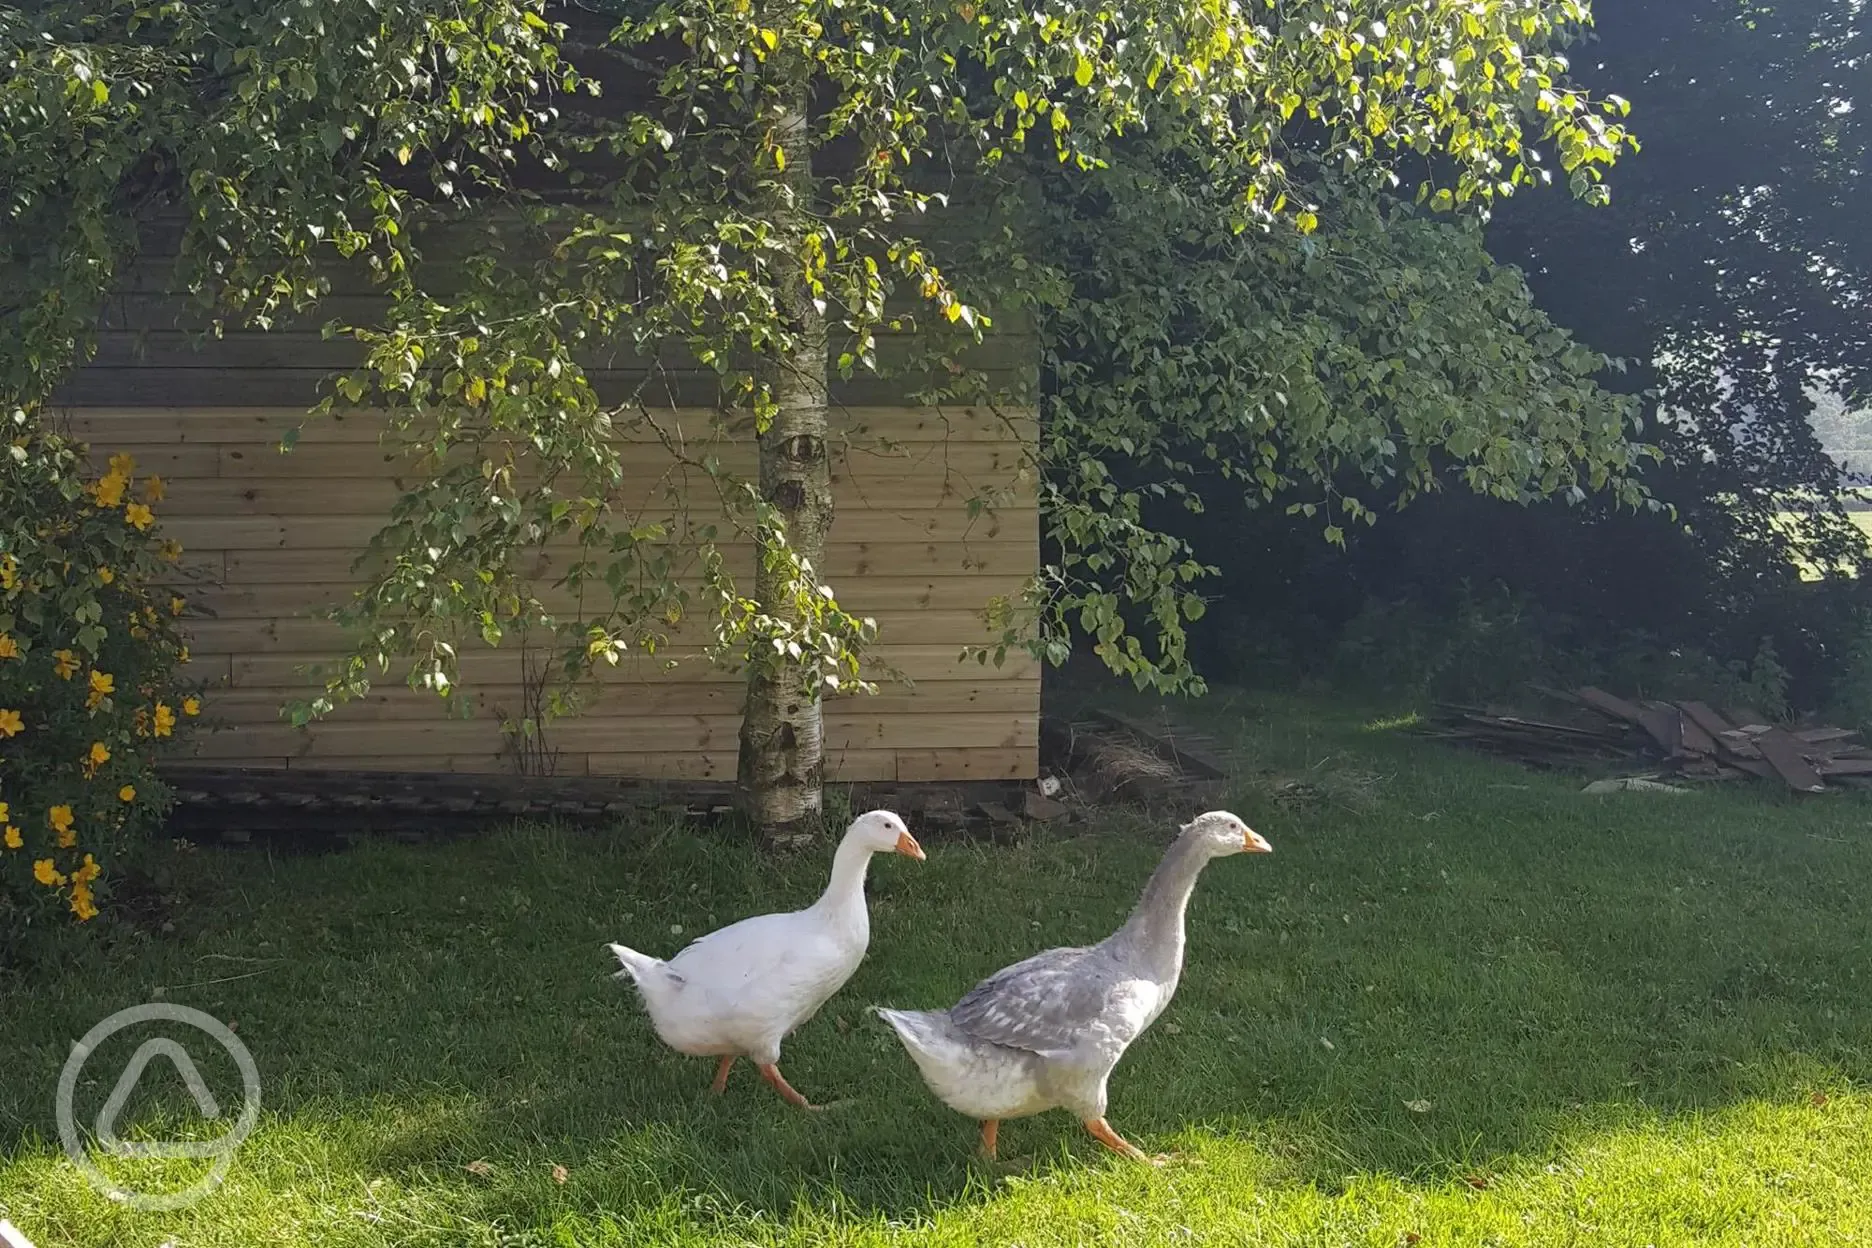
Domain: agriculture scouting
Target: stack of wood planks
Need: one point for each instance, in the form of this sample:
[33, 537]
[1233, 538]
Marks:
[1689, 738]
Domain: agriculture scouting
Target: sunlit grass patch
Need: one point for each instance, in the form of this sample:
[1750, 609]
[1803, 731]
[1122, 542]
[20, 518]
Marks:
[1394, 723]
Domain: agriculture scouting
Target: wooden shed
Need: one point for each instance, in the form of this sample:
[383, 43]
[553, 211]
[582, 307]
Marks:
[270, 537]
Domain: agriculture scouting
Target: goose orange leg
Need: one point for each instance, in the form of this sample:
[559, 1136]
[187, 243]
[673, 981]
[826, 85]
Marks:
[1103, 1133]
[772, 1075]
[721, 1076]
[991, 1131]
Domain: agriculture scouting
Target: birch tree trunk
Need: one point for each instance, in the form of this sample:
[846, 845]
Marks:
[782, 764]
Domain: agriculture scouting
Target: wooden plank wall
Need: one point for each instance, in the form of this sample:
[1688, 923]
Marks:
[272, 536]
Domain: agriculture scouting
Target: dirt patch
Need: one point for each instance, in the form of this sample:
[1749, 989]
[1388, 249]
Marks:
[1327, 785]
[1103, 759]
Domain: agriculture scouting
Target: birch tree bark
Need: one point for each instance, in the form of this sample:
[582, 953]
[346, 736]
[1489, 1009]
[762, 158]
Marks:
[782, 756]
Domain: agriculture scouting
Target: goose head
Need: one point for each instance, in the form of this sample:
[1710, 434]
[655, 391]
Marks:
[882, 832]
[1222, 833]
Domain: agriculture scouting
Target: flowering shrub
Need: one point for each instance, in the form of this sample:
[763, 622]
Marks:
[90, 652]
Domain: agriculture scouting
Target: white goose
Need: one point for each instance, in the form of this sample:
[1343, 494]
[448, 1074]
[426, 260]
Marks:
[738, 991]
[1046, 1033]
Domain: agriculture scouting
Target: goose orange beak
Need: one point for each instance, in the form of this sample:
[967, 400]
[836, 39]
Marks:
[1255, 843]
[907, 846]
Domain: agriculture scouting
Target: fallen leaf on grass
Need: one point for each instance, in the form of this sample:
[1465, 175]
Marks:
[1632, 784]
[560, 1175]
[1478, 1181]
[1817, 1100]
[480, 1169]
[1418, 1107]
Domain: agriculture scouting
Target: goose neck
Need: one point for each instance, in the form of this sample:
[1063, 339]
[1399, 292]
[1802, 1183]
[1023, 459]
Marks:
[846, 887]
[1155, 931]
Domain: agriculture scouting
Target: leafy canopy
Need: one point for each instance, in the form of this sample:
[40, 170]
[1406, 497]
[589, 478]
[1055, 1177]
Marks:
[1737, 265]
[532, 187]
[1338, 372]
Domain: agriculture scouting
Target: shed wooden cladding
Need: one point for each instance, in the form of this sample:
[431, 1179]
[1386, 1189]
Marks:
[274, 536]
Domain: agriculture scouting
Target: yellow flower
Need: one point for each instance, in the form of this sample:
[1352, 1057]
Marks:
[82, 905]
[106, 575]
[153, 489]
[176, 605]
[103, 684]
[98, 756]
[170, 550]
[140, 516]
[127, 793]
[165, 720]
[123, 465]
[61, 818]
[9, 571]
[88, 872]
[182, 655]
[47, 874]
[9, 649]
[13, 840]
[64, 664]
[109, 490]
[11, 724]
[191, 705]
[5, 812]
[142, 723]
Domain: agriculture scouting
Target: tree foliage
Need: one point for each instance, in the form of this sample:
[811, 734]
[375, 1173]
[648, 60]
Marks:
[1729, 271]
[1738, 264]
[535, 186]
[1338, 373]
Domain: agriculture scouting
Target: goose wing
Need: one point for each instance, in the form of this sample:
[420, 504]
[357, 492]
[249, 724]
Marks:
[1042, 1005]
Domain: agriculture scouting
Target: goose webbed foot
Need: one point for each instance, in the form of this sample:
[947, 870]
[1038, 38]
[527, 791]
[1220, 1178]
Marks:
[772, 1075]
[1103, 1133]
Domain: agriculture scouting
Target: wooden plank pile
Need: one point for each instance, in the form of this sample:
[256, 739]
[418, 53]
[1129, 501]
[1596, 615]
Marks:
[1691, 739]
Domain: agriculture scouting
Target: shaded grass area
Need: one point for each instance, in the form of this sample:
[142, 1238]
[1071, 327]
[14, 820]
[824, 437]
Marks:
[1459, 1002]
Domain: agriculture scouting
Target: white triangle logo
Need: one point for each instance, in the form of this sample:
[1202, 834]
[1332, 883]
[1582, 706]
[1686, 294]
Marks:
[126, 1084]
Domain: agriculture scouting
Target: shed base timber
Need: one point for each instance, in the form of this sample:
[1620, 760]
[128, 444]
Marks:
[236, 803]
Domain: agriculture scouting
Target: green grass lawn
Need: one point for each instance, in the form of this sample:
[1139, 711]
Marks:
[1459, 1005]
